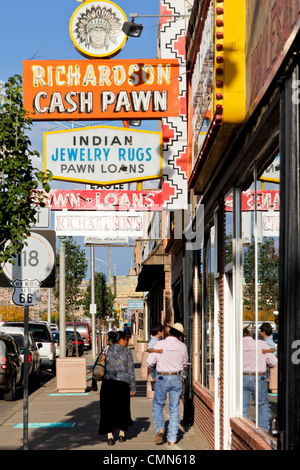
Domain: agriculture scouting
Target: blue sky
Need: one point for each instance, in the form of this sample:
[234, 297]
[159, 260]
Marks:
[39, 29]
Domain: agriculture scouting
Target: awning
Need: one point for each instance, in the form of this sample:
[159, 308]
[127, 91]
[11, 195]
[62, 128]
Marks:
[153, 268]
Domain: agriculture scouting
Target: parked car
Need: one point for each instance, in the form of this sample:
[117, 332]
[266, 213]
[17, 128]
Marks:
[53, 327]
[275, 337]
[69, 345]
[34, 358]
[71, 336]
[84, 330]
[42, 334]
[10, 367]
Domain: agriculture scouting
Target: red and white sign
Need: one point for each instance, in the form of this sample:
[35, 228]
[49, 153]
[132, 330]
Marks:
[267, 200]
[99, 223]
[104, 200]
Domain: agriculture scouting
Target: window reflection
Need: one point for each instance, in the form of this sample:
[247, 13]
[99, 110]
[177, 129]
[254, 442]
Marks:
[228, 228]
[208, 327]
[260, 258]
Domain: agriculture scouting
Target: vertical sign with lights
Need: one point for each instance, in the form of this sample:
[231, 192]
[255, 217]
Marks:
[229, 80]
[172, 46]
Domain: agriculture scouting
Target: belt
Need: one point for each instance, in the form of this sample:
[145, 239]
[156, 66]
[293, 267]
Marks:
[254, 373]
[168, 373]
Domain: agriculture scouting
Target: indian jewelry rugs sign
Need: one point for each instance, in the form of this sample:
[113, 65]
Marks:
[103, 155]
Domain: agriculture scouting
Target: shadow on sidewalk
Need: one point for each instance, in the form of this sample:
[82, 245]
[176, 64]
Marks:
[85, 430]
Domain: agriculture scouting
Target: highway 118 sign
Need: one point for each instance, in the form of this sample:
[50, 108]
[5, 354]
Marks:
[29, 269]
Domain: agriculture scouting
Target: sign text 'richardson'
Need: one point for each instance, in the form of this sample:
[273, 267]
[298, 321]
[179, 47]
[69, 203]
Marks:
[103, 154]
[105, 89]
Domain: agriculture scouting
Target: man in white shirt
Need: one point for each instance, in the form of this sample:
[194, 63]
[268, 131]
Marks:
[263, 360]
[169, 366]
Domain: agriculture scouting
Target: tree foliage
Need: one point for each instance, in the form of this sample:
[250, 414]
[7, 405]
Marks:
[104, 297]
[11, 313]
[268, 276]
[20, 181]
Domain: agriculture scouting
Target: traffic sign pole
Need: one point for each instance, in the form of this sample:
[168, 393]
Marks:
[25, 388]
[30, 268]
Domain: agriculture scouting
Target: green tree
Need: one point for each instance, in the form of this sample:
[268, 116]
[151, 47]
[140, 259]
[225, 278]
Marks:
[268, 276]
[19, 185]
[104, 298]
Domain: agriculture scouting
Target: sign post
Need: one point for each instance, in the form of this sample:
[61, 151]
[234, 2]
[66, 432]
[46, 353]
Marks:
[25, 393]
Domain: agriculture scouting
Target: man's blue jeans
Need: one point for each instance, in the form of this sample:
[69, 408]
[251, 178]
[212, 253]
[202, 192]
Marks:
[263, 399]
[163, 385]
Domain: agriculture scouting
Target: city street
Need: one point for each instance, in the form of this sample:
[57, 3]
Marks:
[70, 422]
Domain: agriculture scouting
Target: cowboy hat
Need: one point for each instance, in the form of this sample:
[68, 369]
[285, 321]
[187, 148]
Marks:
[178, 327]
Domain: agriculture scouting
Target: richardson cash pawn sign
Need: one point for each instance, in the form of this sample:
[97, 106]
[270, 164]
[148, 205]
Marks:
[106, 89]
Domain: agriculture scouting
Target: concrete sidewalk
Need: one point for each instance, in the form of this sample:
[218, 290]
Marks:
[78, 418]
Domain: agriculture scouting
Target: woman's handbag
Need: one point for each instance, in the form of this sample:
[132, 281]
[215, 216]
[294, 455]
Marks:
[99, 366]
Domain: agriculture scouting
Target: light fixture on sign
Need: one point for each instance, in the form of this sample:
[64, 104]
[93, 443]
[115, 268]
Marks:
[134, 123]
[132, 29]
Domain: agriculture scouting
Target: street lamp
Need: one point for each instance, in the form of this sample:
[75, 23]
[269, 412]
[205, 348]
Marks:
[134, 123]
[130, 28]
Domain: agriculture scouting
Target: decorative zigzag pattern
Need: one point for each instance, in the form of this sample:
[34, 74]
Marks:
[172, 45]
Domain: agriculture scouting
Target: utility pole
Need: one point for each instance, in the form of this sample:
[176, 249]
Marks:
[62, 291]
[93, 307]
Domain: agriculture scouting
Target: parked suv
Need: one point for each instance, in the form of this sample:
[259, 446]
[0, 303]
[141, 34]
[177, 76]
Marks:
[84, 330]
[42, 334]
[34, 358]
[10, 367]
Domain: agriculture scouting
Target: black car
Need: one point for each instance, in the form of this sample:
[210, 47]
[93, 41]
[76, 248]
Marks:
[80, 341]
[10, 367]
[34, 358]
[69, 345]
[43, 335]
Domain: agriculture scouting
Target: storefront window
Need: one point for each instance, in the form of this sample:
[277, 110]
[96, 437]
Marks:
[260, 257]
[228, 228]
[208, 318]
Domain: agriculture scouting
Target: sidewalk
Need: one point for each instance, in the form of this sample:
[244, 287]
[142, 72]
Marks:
[73, 420]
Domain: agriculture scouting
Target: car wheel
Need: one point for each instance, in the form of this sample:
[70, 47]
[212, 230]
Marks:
[11, 394]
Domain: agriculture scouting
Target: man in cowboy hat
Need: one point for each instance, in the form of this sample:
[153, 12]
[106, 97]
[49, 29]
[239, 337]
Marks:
[169, 366]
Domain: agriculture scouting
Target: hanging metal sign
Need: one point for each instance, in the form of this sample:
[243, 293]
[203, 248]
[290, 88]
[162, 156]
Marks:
[100, 224]
[91, 200]
[96, 29]
[29, 269]
[101, 89]
[103, 155]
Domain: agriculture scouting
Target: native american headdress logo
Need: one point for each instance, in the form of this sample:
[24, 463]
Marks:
[97, 27]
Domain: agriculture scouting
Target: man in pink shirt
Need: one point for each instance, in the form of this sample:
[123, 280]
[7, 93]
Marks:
[249, 377]
[169, 365]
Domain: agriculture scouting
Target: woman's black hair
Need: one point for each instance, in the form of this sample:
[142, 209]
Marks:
[115, 336]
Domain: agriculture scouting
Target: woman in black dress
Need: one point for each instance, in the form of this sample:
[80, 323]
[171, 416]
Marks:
[118, 386]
